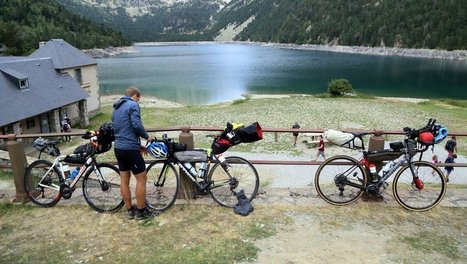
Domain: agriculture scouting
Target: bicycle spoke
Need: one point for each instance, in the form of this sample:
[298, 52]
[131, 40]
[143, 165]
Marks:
[414, 197]
[241, 176]
[161, 189]
[42, 184]
[340, 180]
[101, 188]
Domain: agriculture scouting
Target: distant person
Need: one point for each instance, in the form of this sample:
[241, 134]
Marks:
[449, 169]
[451, 146]
[128, 129]
[66, 128]
[320, 148]
[295, 134]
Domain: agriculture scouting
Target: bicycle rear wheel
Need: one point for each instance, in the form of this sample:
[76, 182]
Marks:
[241, 175]
[340, 180]
[42, 183]
[162, 187]
[101, 188]
[414, 197]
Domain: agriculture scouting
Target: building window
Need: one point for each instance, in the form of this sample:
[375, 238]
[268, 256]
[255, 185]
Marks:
[30, 123]
[23, 84]
[78, 76]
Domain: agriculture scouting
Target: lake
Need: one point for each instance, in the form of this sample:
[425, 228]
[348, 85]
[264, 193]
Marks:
[210, 73]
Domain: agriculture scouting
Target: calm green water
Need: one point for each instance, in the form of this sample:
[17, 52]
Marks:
[211, 73]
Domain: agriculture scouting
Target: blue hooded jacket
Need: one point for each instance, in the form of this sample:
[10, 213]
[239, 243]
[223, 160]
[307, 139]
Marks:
[128, 128]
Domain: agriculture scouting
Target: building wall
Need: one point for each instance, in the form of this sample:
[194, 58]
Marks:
[90, 83]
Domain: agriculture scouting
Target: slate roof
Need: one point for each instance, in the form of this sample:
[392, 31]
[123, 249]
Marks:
[63, 54]
[48, 89]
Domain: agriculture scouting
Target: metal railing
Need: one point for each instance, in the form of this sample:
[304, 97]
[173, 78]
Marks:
[259, 162]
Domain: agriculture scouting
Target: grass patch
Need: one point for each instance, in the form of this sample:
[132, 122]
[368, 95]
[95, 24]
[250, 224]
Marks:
[6, 175]
[457, 103]
[183, 234]
[433, 242]
[240, 101]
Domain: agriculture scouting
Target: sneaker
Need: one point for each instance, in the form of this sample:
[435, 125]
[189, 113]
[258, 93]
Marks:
[145, 214]
[131, 212]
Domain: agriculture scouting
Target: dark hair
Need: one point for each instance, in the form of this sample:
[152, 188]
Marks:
[454, 156]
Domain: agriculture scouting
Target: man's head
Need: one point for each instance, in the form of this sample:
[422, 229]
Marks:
[133, 92]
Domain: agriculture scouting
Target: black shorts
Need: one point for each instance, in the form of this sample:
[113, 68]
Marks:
[130, 160]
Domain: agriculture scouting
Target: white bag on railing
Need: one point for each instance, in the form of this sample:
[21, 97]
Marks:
[343, 139]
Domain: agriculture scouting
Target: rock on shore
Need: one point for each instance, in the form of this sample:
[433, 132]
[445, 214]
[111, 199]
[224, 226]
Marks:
[110, 51]
[385, 51]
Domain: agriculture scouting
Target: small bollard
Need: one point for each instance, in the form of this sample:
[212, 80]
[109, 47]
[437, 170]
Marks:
[18, 166]
[187, 188]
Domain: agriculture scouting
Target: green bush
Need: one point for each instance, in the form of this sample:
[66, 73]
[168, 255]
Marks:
[339, 87]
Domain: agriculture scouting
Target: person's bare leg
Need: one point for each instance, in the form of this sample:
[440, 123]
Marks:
[141, 179]
[125, 188]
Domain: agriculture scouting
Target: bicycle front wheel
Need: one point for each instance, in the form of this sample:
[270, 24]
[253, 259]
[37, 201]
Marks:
[163, 185]
[423, 195]
[241, 175]
[340, 180]
[42, 183]
[101, 188]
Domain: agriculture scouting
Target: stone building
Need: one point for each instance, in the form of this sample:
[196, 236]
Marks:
[39, 91]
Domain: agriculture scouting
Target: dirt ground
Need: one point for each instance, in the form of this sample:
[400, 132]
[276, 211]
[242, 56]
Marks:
[315, 238]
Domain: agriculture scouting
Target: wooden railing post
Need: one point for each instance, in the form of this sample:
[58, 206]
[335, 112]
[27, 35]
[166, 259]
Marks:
[18, 166]
[376, 143]
[187, 188]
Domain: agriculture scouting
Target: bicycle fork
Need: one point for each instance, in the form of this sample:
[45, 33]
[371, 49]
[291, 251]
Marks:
[416, 180]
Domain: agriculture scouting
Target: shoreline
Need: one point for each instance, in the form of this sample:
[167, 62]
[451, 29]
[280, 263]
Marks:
[460, 55]
[154, 101]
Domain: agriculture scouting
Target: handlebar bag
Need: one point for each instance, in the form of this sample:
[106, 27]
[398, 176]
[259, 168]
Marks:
[84, 150]
[250, 134]
[221, 145]
[192, 156]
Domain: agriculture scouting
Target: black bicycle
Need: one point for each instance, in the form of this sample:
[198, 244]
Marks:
[417, 185]
[218, 176]
[46, 182]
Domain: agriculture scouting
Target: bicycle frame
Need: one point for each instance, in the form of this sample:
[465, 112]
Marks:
[192, 176]
[90, 162]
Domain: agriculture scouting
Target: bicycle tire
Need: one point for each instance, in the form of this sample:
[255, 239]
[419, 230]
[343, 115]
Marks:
[161, 194]
[409, 196]
[104, 197]
[244, 176]
[333, 186]
[49, 193]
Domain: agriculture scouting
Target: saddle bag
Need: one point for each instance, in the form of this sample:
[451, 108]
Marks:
[343, 139]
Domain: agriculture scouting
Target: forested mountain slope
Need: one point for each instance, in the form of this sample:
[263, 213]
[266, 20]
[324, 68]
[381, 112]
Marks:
[434, 24]
[24, 23]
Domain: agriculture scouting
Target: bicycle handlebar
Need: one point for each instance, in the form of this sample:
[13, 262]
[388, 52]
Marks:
[413, 133]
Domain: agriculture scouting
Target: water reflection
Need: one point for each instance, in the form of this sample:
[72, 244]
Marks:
[200, 74]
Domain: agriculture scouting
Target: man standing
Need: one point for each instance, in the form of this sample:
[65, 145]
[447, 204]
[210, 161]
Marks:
[295, 134]
[320, 148]
[128, 129]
